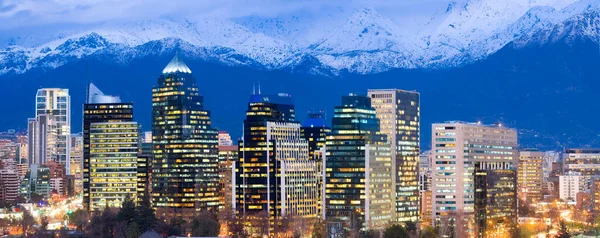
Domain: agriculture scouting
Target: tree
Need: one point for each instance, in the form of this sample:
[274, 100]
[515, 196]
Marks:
[319, 229]
[79, 218]
[103, 225]
[205, 225]
[429, 232]
[411, 228]
[36, 198]
[127, 212]
[372, 234]
[563, 232]
[44, 223]
[133, 230]
[395, 231]
[146, 219]
[27, 221]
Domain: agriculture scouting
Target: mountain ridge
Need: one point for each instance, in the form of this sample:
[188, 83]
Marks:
[362, 41]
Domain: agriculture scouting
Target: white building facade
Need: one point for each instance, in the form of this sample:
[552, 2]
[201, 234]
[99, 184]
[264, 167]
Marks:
[57, 102]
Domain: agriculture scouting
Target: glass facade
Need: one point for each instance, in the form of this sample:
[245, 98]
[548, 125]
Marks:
[275, 178]
[112, 163]
[99, 113]
[358, 191]
[399, 113]
[57, 102]
[185, 175]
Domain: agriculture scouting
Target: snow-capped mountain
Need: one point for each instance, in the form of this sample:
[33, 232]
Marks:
[365, 40]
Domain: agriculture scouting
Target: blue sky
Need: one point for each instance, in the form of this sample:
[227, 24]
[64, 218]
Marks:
[24, 14]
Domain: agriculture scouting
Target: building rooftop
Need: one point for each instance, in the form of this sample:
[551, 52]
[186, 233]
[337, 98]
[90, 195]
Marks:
[176, 66]
[280, 98]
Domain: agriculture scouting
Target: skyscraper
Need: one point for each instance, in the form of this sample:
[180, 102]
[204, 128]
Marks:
[77, 161]
[42, 139]
[358, 195]
[400, 118]
[109, 150]
[472, 162]
[275, 178]
[57, 102]
[530, 175]
[315, 131]
[185, 167]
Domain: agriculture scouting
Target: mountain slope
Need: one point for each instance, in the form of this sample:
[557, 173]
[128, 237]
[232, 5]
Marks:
[364, 40]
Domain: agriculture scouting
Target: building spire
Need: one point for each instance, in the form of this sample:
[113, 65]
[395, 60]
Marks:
[176, 65]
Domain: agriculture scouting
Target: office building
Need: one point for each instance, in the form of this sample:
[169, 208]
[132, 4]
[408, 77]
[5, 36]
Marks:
[228, 155]
[358, 195]
[275, 178]
[56, 102]
[185, 175]
[77, 162]
[9, 185]
[584, 161]
[459, 151]
[109, 150]
[315, 131]
[550, 157]
[495, 199]
[425, 171]
[426, 207]
[570, 184]
[530, 175]
[144, 172]
[36, 180]
[225, 139]
[58, 177]
[43, 136]
[400, 118]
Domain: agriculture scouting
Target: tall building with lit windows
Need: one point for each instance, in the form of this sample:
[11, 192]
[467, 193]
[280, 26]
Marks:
[185, 176]
[315, 131]
[274, 176]
[358, 168]
[57, 103]
[400, 118]
[530, 175]
[113, 163]
[108, 140]
[474, 177]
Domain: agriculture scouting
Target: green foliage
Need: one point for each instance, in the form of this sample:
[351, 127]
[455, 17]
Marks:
[146, 219]
[395, 231]
[133, 230]
[429, 232]
[371, 234]
[79, 218]
[127, 212]
[319, 229]
[563, 232]
[411, 227]
[205, 225]
[27, 221]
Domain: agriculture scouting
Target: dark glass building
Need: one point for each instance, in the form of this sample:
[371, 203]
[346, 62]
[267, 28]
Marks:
[185, 167]
[358, 192]
[253, 198]
[315, 132]
[495, 201]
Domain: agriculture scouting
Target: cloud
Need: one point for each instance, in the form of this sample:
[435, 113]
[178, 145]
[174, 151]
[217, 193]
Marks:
[27, 13]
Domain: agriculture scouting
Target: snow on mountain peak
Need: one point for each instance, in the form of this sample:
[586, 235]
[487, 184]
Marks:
[362, 40]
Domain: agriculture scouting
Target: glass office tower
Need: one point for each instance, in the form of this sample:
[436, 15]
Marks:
[400, 118]
[57, 102]
[185, 168]
[358, 191]
[101, 109]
